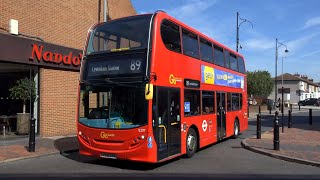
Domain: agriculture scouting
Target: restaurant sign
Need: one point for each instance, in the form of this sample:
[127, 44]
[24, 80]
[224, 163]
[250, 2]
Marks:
[26, 51]
[41, 54]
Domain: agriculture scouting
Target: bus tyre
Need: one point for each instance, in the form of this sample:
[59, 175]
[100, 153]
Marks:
[236, 129]
[192, 142]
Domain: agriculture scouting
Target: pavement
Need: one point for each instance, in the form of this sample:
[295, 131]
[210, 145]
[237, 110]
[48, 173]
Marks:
[18, 148]
[298, 144]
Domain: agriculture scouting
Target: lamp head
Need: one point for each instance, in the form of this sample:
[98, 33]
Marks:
[286, 51]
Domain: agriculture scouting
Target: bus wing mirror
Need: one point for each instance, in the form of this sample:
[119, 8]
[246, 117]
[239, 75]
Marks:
[149, 91]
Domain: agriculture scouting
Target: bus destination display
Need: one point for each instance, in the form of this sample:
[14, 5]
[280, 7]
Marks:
[114, 67]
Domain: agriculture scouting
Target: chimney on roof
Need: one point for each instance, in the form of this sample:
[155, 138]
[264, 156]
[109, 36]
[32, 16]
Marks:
[297, 74]
[310, 80]
[304, 77]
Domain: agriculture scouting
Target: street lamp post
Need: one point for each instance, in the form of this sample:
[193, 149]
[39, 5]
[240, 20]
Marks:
[276, 70]
[238, 26]
[276, 83]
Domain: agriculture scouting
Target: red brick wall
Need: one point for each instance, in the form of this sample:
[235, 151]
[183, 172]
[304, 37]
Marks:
[58, 100]
[62, 22]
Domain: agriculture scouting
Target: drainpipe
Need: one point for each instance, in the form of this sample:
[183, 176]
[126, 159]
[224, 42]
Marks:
[105, 11]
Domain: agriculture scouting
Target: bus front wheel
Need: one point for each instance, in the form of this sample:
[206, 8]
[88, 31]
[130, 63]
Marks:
[192, 142]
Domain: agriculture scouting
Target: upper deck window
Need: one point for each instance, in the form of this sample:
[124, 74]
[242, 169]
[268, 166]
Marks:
[233, 62]
[218, 56]
[206, 50]
[190, 44]
[170, 35]
[123, 34]
[242, 68]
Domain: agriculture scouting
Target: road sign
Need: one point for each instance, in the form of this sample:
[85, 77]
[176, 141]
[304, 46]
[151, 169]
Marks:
[285, 90]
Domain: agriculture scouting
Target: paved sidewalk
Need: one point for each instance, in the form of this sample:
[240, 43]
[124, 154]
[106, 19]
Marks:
[11, 150]
[300, 144]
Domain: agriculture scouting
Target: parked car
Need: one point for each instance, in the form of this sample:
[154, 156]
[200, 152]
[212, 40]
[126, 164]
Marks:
[268, 102]
[252, 101]
[309, 101]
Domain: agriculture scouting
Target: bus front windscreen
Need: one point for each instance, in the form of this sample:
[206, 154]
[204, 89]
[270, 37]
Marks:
[119, 35]
[116, 107]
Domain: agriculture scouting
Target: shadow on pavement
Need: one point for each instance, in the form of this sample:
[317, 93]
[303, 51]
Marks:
[121, 164]
[124, 164]
[66, 144]
[156, 176]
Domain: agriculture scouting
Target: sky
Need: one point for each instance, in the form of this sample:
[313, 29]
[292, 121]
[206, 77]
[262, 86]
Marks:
[295, 23]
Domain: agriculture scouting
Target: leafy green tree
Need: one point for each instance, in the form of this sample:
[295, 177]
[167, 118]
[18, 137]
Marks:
[21, 90]
[260, 83]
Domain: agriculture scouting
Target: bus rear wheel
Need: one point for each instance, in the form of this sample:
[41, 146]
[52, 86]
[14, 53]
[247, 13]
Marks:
[192, 142]
[236, 129]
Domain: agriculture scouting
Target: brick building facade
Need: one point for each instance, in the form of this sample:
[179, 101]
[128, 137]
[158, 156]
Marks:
[61, 23]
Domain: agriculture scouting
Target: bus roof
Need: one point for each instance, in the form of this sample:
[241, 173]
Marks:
[198, 33]
[184, 26]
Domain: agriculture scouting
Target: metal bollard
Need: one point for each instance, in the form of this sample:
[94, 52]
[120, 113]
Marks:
[310, 116]
[258, 126]
[289, 119]
[259, 109]
[32, 135]
[276, 139]
[299, 107]
[282, 120]
[291, 107]
[4, 131]
[270, 108]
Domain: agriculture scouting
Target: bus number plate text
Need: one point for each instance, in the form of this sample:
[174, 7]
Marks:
[108, 156]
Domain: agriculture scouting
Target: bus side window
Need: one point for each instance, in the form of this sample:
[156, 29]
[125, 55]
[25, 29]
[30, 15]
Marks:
[233, 62]
[229, 102]
[206, 52]
[241, 65]
[218, 56]
[208, 102]
[235, 101]
[192, 102]
[170, 35]
[190, 44]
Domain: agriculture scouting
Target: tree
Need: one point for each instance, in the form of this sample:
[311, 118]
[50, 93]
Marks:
[259, 83]
[21, 90]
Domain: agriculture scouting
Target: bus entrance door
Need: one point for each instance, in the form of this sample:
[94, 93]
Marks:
[221, 115]
[168, 133]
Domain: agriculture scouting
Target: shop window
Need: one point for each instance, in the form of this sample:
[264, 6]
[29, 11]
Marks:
[170, 35]
[191, 102]
[207, 102]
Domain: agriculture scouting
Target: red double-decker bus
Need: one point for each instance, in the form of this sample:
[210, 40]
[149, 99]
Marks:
[152, 88]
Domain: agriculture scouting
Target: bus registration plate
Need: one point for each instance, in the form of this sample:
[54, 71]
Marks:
[108, 156]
